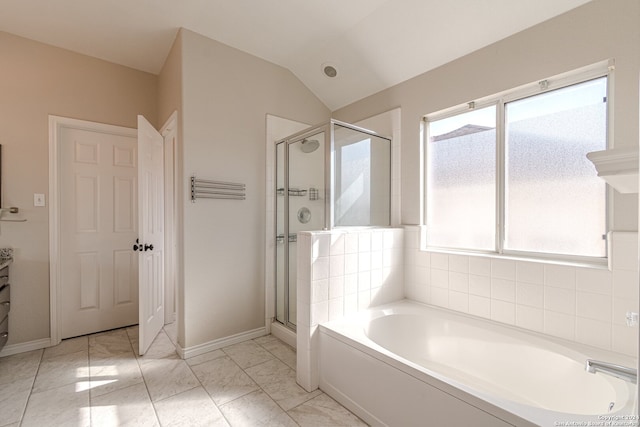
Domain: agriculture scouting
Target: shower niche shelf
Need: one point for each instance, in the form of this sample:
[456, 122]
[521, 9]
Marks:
[293, 192]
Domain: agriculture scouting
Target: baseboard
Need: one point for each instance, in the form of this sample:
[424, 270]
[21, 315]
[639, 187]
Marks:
[199, 349]
[284, 334]
[12, 349]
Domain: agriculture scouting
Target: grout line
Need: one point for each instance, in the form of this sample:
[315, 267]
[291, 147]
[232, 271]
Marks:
[144, 381]
[26, 405]
[205, 389]
[200, 384]
[90, 380]
[262, 389]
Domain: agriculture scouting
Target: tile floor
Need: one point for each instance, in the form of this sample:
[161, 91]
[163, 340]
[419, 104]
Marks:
[97, 380]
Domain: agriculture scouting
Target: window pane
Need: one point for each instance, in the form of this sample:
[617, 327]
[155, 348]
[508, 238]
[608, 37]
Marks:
[461, 181]
[554, 201]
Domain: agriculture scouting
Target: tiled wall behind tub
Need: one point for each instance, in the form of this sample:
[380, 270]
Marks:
[586, 305]
[341, 272]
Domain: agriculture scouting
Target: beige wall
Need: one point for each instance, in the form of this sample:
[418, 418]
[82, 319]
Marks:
[222, 96]
[598, 31]
[226, 96]
[170, 100]
[37, 80]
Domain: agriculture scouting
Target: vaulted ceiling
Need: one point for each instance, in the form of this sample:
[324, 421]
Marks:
[373, 44]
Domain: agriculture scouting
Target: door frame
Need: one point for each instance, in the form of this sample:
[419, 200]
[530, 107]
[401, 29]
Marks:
[169, 132]
[56, 123]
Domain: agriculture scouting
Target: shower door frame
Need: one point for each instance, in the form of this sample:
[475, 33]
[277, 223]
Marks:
[329, 181]
[292, 139]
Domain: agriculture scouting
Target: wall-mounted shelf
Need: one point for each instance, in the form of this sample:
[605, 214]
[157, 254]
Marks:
[618, 167]
[207, 189]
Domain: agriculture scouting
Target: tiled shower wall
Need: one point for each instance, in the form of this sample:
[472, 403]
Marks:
[341, 272]
[586, 305]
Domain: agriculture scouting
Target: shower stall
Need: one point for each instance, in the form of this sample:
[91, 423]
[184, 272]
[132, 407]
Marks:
[330, 175]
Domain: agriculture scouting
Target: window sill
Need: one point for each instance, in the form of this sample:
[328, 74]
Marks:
[601, 263]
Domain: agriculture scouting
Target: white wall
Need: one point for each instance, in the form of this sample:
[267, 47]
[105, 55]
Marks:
[170, 100]
[226, 95]
[306, 170]
[582, 304]
[599, 30]
[388, 124]
[341, 272]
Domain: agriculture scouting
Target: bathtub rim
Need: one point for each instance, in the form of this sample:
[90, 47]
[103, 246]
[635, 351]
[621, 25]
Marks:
[350, 331]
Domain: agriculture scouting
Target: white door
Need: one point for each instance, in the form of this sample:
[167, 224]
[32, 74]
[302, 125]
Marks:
[98, 223]
[150, 246]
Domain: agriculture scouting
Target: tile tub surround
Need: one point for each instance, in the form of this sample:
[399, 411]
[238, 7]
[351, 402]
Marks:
[585, 305]
[341, 272]
[98, 380]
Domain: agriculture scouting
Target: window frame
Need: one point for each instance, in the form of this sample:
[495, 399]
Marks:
[499, 100]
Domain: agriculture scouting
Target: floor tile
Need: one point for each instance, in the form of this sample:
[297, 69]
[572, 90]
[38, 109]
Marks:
[167, 377]
[132, 332]
[63, 406]
[279, 382]
[129, 406]
[224, 380]
[72, 368]
[247, 354]
[13, 400]
[191, 408]
[71, 345]
[99, 379]
[109, 344]
[265, 339]
[113, 373]
[23, 365]
[171, 329]
[160, 348]
[201, 358]
[323, 411]
[282, 351]
[255, 409]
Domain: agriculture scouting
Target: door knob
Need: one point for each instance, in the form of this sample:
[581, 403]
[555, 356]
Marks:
[142, 247]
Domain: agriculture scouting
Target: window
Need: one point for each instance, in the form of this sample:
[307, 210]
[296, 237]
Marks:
[511, 175]
[461, 168]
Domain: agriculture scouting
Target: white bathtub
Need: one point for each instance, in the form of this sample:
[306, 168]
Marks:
[410, 364]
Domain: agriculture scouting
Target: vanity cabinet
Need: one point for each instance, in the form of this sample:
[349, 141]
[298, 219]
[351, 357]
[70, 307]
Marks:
[5, 304]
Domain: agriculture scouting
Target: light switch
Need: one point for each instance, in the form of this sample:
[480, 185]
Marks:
[38, 199]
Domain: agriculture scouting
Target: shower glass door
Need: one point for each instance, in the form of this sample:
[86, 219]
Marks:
[300, 187]
[333, 175]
